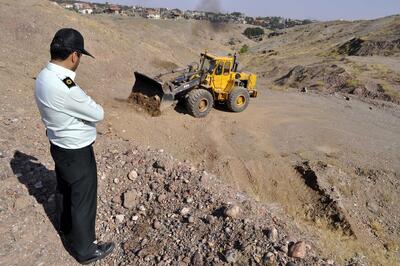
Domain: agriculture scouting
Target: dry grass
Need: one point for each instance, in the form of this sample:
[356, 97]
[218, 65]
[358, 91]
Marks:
[376, 227]
[357, 69]
[342, 247]
[389, 90]
[387, 196]
[380, 71]
[354, 83]
[391, 246]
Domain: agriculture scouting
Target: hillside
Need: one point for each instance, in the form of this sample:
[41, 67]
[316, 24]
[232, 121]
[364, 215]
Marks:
[358, 58]
[314, 158]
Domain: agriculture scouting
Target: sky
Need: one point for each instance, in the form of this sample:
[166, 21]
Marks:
[301, 9]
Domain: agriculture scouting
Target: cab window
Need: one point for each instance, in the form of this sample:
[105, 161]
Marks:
[209, 65]
[218, 71]
[227, 68]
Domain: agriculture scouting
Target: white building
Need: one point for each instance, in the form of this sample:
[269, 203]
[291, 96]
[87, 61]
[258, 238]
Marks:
[68, 6]
[154, 16]
[153, 13]
[78, 6]
[86, 11]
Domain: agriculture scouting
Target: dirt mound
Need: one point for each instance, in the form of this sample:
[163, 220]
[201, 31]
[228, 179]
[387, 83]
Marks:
[142, 102]
[361, 47]
[331, 78]
[316, 77]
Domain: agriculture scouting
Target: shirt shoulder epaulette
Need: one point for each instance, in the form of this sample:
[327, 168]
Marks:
[69, 82]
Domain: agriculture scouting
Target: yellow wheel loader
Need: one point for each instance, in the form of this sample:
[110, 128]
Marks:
[215, 79]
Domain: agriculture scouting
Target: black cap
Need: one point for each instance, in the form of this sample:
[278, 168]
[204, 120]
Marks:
[71, 39]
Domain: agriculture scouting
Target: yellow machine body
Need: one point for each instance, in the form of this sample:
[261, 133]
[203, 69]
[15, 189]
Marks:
[222, 77]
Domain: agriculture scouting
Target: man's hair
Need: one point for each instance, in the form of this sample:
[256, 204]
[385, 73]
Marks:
[60, 53]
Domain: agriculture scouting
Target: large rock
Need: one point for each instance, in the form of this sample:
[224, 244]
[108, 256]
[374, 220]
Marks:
[269, 259]
[232, 211]
[132, 175]
[184, 211]
[231, 256]
[272, 234]
[298, 250]
[119, 218]
[130, 199]
[22, 202]
[161, 198]
[372, 206]
[165, 165]
[197, 259]
[157, 225]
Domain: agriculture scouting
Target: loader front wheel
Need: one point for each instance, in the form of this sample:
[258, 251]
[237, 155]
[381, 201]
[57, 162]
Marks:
[199, 102]
[238, 99]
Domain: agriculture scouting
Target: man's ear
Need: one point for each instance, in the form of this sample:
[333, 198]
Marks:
[74, 57]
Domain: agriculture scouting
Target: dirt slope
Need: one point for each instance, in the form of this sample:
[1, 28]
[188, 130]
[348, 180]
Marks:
[320, 163]
[362, 50]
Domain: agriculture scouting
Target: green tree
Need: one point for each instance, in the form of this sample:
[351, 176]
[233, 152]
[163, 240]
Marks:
[252, 33]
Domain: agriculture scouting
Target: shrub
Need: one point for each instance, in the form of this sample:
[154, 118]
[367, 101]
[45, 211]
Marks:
[252, 33]
[244, 49]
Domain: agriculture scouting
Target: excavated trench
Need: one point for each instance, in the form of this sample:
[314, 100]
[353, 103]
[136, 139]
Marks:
[326, 206]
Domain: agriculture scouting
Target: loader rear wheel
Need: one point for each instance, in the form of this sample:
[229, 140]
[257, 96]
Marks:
[238, 99]
[199, 102]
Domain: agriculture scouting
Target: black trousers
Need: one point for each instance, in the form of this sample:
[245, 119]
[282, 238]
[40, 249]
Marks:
[76, 172]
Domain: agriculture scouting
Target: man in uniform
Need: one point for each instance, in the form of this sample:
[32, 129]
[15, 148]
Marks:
[70, 118]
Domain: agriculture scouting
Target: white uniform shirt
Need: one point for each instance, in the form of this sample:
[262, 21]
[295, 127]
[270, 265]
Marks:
[69, 115]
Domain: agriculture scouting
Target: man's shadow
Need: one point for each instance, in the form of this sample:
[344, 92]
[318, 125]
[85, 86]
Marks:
[41, 184]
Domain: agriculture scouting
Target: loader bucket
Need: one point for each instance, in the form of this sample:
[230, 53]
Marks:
[150, 94]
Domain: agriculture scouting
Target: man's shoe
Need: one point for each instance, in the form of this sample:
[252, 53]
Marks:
[100, 252]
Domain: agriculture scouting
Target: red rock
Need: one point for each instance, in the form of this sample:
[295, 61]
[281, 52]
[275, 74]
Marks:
[298, 250]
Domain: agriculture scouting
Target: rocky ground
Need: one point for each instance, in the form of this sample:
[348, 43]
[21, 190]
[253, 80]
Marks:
[167, 212]
[158, 210]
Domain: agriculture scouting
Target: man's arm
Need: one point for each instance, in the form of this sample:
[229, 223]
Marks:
[79, 105]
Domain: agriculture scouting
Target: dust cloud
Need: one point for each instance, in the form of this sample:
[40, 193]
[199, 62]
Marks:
[209, 6]
[213, 6]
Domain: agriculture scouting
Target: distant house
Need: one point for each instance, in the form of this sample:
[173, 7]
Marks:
[211, 16]
[113, 9]
[199, 15]
[86, 9]
[260, 22]
[67, 6]
[137, 11]
[78, 6]
[188, 14]
[175, 13]
[242, 21]
[153, 13]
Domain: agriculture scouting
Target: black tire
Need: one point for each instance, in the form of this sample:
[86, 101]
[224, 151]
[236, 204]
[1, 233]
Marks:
[199, 102]
[238, 99]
